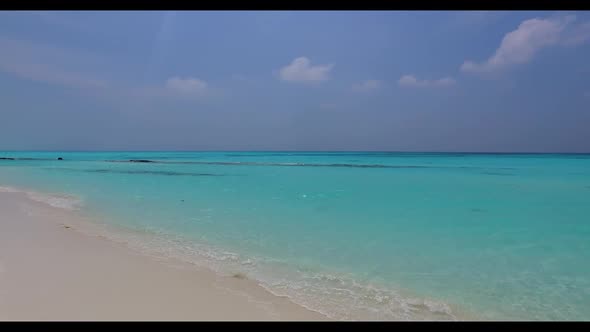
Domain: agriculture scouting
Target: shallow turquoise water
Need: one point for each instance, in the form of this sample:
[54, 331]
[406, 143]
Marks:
[356, 235]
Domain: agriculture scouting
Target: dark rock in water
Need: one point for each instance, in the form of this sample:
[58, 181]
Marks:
[140, 161]
[6, 158]
[60, 158]
[239, 275]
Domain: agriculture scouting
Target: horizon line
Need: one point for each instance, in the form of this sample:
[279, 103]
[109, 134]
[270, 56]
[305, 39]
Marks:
[314, 151]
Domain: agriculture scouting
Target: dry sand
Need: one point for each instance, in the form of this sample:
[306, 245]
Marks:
[49, 270]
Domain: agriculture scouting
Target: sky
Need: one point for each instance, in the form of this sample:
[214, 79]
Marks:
[495, 81]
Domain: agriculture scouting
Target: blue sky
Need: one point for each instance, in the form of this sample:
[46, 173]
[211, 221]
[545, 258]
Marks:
[398, 81]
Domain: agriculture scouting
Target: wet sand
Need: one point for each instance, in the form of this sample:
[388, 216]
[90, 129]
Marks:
[49, 270]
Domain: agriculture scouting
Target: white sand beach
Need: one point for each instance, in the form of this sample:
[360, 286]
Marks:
[49, 270]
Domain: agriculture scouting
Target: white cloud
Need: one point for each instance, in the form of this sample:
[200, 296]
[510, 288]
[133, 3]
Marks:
[189, 86]
[47, 64]
[368, 85]
[50, 74]
[412, 81]
[174, 88]
[301, 70]
[520, 46]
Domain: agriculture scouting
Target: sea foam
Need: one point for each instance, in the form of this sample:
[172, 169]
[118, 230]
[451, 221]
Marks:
[61, 201]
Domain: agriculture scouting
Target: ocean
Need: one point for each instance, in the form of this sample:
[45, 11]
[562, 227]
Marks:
[353, 235]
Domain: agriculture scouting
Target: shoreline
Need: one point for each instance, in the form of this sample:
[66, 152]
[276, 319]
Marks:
[51, 270]
[250, 274]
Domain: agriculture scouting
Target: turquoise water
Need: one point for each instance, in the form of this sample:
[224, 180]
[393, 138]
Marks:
[354, 235]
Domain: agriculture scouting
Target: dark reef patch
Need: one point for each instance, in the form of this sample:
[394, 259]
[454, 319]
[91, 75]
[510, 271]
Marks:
[169, 173]
[140, 161]
[295, 164]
